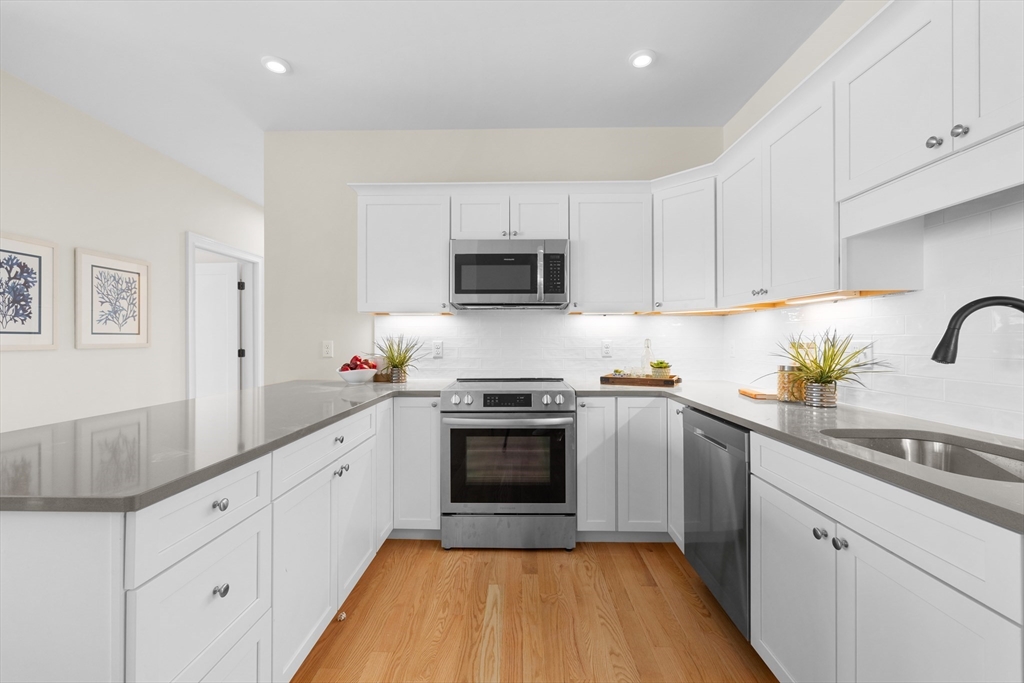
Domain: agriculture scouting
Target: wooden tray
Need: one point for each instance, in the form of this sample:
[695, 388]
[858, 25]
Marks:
[669, 381]
[758, 395]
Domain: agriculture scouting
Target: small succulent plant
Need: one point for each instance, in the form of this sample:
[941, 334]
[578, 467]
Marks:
[663, 364]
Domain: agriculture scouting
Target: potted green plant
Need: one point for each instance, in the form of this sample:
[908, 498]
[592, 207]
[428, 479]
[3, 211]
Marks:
[399, 354]
[661, 368]
[825, 361]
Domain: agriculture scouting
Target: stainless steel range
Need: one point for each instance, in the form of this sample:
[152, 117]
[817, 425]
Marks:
[508, 464]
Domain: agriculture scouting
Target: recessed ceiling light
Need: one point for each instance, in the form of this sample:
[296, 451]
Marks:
[276, 65]
[642, 58]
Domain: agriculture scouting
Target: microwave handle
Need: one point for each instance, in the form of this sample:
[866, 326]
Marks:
[540, 274]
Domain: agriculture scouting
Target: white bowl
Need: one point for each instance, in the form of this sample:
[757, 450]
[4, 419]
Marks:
[357, 376]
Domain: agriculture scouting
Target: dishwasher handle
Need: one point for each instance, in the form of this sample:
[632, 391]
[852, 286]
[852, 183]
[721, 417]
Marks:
[714, 442]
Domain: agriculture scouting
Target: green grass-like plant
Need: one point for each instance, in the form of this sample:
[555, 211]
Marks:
[398, 352]
[827, 358]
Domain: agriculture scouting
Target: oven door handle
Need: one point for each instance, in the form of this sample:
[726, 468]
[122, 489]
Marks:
[500, 423]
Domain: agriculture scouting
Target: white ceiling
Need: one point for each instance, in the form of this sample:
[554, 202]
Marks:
[185, 77]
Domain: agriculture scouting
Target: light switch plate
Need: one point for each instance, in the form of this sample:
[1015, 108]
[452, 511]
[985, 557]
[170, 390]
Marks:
[861, 343]
[328, 349]
[606, 348]
[438, 347]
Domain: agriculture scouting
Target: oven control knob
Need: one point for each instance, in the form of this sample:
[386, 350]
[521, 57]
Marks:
[469, 399]
[546, 400]
[456, 400]
[559, 400]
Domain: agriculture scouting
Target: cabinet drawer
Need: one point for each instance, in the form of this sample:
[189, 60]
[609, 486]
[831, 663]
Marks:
[163, 533]
[307, 456]
[177, 617]
[974, 556]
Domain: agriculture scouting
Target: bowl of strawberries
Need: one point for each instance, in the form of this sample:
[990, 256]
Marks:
[358, 370]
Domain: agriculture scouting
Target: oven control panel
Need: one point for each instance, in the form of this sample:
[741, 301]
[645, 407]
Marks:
[508, 400]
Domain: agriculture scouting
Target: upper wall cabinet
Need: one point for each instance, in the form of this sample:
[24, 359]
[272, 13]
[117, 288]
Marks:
[741, 263]
[684, 247]
[403, 254]
[610, 253]
[522, 217]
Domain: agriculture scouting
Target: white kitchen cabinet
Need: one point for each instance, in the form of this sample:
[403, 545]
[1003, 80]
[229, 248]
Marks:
[352, 518]
[642, 447]
[402, 258]
[249, 661]
[479, 217]
[305, 585]
[792, 586]
[894, 97]
[800, 215]
[384, 473]
[610, 253]
[684, 247]
[740, 217]
[417, 444]
[539, 217]
[676, 509]
[595, 464]
[988, 69]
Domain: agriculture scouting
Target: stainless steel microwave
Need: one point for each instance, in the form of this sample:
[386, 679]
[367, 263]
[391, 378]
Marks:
[503, 274]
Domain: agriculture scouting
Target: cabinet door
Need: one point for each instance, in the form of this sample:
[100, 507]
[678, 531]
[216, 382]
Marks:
[642, 440]
[479, 217]
[417, 442]
[792, 586]
[800, 212]
[249, 660]
[895, 96]
[988, 73]
[304, 587]
[684, 247]
[741, 263]
[384, 473]
[897, 623]
[352, 518]
[676, 517]
[610, 253]
[539, 217]
[403, 254]
[595, 464]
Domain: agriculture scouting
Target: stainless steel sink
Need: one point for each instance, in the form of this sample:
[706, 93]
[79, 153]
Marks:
[940, 451]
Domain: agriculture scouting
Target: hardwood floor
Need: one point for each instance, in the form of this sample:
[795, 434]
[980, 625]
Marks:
[604, 612]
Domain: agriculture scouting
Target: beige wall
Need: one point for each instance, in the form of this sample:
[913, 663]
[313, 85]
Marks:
[848, 18]
[66, 178]
[311, 213]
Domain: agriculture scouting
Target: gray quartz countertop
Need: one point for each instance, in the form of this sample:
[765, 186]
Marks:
[126, 461]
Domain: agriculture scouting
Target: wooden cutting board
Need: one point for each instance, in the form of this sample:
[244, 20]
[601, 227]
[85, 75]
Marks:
[758, 394]
[669, 381]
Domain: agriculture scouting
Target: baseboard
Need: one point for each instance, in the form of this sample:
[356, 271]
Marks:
[581, 536]
[416, 534]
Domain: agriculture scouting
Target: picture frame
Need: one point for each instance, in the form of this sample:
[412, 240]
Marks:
[112, 295]
[28, 293]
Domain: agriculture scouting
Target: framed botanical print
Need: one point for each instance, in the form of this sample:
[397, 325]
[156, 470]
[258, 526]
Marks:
[28, 294]
[111, 301]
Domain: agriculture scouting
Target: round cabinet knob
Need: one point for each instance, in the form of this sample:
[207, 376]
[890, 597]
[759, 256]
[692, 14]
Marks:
[221, 504]
[559, 399]
[819, 533]
[515, 233]
[839, 543]
[959, 130]
[342, 470]
[583, 405]
[456, 400]
[546, 400]
[679, 411]
[433, 404]
[575, 305]
[444, 305]
[657, 304]
[222, 590]
[504, 233]
[753, 292]
[469, 399]
[933, 142]
[339, 439]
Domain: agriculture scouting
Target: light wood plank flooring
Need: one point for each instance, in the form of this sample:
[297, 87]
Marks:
[604, 612]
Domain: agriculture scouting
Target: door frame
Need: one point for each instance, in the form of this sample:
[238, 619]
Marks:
[252, 333]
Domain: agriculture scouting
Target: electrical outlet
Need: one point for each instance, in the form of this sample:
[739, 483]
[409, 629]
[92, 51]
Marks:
[328, 350]
[863, 343]
[438, 347]
[606, 348]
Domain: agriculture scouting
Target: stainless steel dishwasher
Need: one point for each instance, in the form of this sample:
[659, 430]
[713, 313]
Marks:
[716, 468]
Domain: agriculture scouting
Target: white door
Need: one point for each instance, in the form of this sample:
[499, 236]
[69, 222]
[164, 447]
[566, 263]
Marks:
[895, 97]
[800, 212]
[595, 464]
[897, 623]
[383, 473]
[304, 586]
[642, 444]
[539, 217]
[676, 516]
[352, 513]
[988, 72]
[610, 253]
[479, 217]
[684, 247]
[792, 586]
[741, 262]
[217, 329]
[417, 446]
[402, 257]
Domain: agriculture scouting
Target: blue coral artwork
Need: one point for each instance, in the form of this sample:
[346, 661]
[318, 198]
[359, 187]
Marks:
[112, 294]
[115, 301]
[26, 293]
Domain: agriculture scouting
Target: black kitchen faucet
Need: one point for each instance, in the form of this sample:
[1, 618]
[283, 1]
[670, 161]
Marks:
[945, 352]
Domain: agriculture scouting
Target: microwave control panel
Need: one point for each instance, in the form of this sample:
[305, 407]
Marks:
[554, 273]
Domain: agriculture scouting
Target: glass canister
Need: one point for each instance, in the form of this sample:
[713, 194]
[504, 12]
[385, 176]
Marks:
[790, 387]
[647, 358]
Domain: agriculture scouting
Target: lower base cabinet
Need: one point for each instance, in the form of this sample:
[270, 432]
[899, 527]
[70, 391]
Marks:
[676, 510]
[352, 518]
[417, 463]
[384, 473]
[249, 660]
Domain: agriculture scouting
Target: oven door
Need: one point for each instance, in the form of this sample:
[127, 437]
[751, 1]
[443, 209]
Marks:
[508, 463]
